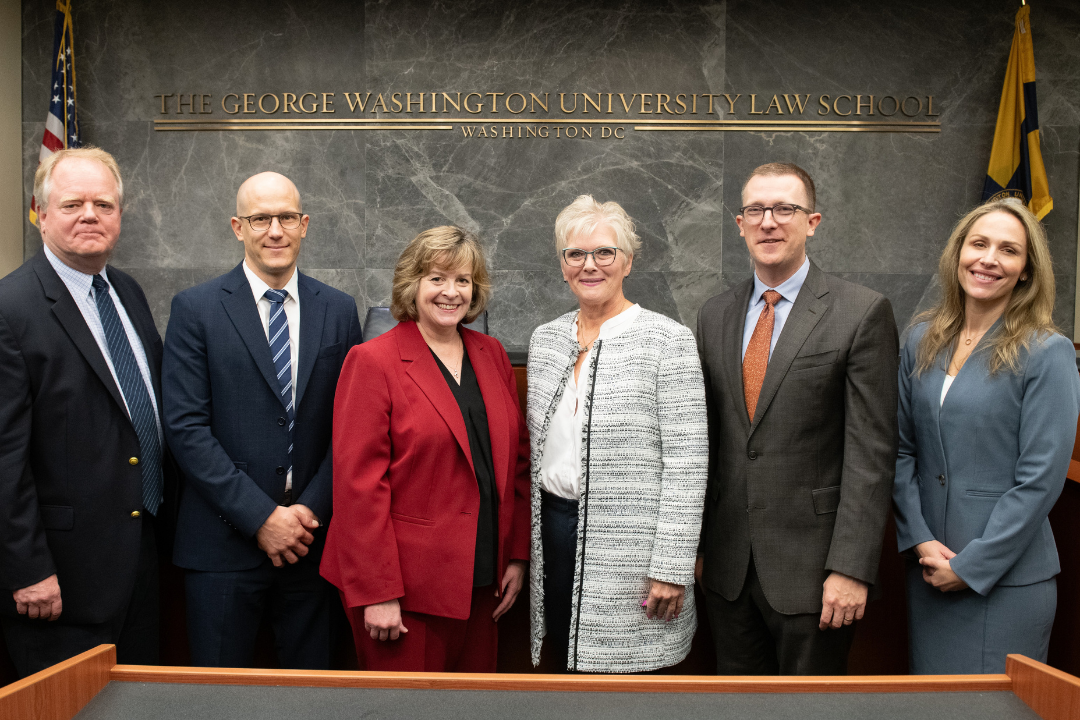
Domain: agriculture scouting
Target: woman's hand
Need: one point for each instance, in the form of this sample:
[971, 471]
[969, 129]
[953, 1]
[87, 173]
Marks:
[665, 600]
[513, 579]
[383, 620]
[932, 548]
[939, 573]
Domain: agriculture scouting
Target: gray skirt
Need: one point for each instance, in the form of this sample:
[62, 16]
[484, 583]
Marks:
[965, 633]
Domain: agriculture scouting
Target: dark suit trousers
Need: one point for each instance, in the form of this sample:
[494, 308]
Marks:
[37, 644]
[753, 639]
[224, 610]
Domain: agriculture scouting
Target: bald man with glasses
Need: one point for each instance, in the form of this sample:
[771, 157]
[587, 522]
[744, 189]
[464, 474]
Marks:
[251, 366]
[800, 381]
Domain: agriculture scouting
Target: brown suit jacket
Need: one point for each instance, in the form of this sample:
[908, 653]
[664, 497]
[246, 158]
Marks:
[806, 486]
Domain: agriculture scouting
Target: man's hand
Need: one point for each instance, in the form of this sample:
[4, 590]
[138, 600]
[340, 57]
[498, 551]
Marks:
[843, 601]
[513, 579]
[383, 621]
[285, 534]
[665, 600]
[939, 573]
[40, 600]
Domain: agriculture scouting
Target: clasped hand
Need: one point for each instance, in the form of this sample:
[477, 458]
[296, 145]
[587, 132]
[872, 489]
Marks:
[286, 533]
[937, 570]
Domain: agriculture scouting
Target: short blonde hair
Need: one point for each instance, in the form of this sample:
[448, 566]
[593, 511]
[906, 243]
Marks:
[448, 247]
[584, 215]
[43, 176]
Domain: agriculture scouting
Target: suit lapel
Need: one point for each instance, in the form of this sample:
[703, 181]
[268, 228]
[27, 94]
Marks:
[71, 319]
[426, 374]
[805, 314]
[732, 339]
[312, 316]
[489, 378]
[239, 304]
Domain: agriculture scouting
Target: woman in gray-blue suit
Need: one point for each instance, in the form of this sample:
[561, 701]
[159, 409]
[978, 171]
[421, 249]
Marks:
[989, 398]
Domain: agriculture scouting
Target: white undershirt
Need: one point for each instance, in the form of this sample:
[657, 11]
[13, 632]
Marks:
[945, 388]
[560, 465]
[291, 306]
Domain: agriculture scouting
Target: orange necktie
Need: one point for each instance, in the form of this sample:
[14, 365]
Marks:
[756, 359]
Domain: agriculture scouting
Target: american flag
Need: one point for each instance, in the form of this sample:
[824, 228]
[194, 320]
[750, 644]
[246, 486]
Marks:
[62, 122]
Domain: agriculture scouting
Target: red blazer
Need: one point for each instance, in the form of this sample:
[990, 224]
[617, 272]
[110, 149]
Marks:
[405, 494]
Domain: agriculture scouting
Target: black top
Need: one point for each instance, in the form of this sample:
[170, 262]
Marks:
[473, 412]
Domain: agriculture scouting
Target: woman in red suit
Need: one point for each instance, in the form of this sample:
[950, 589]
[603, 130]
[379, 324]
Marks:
[430, 532]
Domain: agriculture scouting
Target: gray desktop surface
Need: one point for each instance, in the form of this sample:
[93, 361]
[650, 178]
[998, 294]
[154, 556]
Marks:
[164, 701]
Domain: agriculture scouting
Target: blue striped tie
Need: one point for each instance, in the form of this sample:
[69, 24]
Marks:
[281, 349]
[140, 409]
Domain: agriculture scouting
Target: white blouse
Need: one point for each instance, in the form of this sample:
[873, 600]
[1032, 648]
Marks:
[945, 387]
[560, 466]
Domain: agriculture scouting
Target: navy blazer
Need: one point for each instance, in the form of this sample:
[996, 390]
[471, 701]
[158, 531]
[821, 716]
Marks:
[981, 472]
[67, 488]
[225, 420]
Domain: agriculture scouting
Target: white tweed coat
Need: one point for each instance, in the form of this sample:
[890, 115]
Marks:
[644, 465]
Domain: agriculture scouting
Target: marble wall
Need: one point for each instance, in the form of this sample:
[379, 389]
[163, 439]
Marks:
[888, 199]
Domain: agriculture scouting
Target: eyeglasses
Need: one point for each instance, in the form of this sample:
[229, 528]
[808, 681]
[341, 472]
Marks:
[602, 256]
[289, 221]
[781, 212]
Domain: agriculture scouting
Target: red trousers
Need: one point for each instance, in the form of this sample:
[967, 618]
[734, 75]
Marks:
[433, 643]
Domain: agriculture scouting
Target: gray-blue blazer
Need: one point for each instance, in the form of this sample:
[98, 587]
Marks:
[981, 472]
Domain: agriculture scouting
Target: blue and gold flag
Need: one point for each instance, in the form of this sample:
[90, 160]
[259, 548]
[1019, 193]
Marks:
[1016, 165]
[62, 121]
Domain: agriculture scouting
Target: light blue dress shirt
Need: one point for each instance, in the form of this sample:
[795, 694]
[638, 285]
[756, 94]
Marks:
[80, 285]
[789, 290]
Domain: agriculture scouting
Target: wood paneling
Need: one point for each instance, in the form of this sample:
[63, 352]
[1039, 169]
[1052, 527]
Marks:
[1053, 694]
[62, 690]
[566, 683]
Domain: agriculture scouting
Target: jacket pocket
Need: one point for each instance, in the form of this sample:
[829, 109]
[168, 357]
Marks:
[985, 493]
[826, 500]
[411, 520]
[330, 350]
[816, 360]
[57, 517]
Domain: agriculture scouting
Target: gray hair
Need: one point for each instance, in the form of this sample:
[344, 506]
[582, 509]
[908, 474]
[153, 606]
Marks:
[584, 215]
[43, 176]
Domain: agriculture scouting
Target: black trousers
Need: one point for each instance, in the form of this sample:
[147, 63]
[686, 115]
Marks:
[558, 537]
[224, 610]
[37, 644]
[753, 639]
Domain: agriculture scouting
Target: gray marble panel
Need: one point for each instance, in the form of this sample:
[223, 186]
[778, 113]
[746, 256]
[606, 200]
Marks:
[128, 52]
[956, 51]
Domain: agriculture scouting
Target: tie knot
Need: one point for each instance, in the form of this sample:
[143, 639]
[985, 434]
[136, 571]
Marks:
[772, 297]
[99, 284]
[276, 296]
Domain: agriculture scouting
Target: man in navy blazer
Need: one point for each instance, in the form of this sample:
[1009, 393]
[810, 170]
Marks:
[250, 370]
[82, 468]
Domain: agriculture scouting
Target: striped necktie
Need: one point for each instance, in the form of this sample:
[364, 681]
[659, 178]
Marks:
[281, 350]
[140, 409]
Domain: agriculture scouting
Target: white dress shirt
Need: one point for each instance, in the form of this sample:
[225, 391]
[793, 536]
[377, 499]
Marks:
[945, 387]
[560, 466]
[81, 287]
[789, 290]
[292, 314]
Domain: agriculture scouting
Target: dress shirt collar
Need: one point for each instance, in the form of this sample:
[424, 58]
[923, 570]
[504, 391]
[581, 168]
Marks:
[258, 287]
[789, 289]
[75, 280]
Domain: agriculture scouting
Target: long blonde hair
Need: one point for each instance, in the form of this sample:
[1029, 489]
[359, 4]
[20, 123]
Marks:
[1030, 309]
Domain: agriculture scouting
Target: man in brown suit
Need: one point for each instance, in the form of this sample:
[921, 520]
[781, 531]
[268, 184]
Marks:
[800, 378]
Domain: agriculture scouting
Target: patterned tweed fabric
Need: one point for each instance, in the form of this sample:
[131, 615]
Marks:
[644, 466]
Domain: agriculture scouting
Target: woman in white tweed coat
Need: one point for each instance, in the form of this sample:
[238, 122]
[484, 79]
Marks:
[616, 414]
